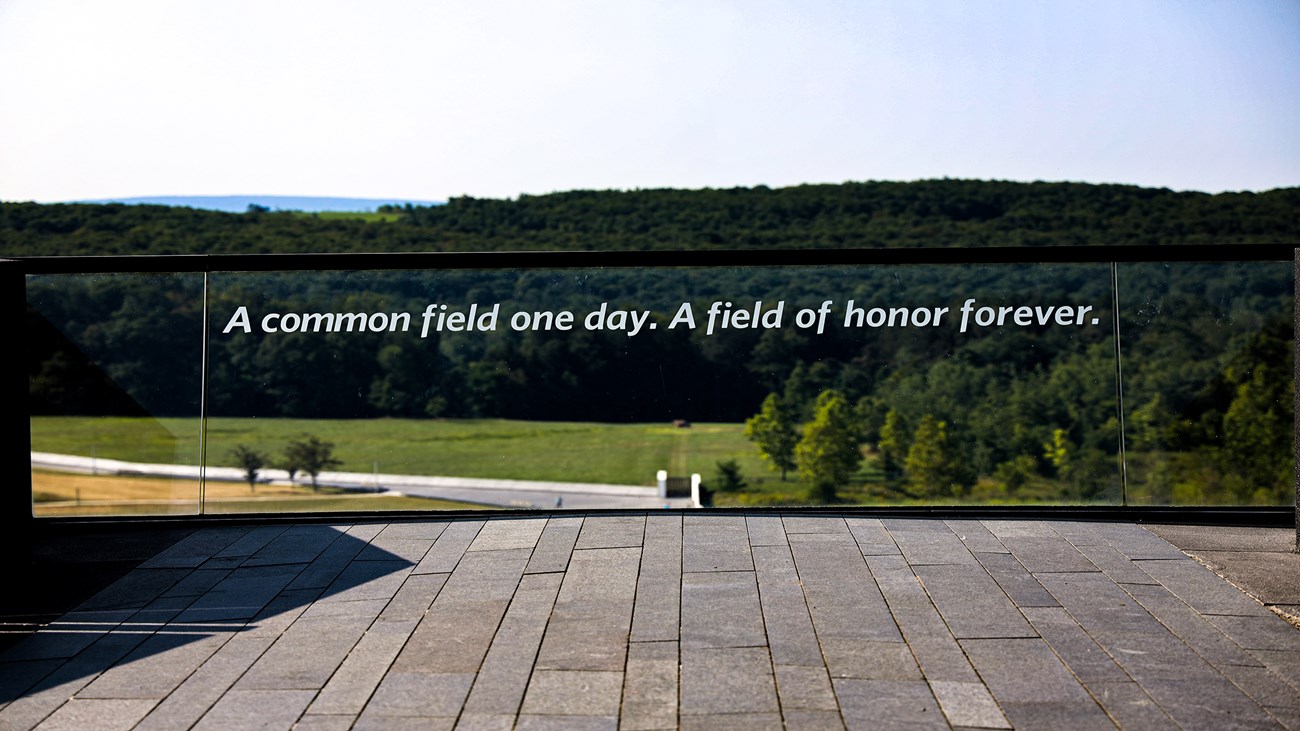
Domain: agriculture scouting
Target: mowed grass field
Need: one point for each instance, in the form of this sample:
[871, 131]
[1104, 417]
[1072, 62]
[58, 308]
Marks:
[623, 454]
[59, 493]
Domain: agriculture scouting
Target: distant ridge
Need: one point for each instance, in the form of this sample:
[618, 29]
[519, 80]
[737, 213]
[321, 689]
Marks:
[240, 203]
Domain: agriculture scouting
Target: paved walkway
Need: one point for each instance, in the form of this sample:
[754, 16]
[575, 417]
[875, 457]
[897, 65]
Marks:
[661, 621]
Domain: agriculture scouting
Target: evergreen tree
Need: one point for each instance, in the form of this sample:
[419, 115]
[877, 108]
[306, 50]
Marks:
[729, 478]
[773, 430]
[893, 444]
[828, 454]
[932, 467]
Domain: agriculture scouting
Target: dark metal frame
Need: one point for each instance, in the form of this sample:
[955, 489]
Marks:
[183, 263]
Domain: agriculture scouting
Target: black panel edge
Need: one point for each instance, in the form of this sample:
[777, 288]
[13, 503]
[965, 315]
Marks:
[1282, 516]
[712, 258]
[16, 519]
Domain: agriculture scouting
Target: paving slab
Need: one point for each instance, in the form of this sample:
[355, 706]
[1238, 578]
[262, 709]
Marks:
[765, 530]
[1129, 706]
[1033, 687]
[1120, 568]
[976, 536]
[299, 544]
[842, 597]
[590, 626]
[870, 660]
[872, 537]
[192, 550]
[255, 709]
[324, 722]
[888, 704]
[1015, 580]
[926, 633]
[449, 547]
[567, 723]
[828, 524]
[657, 612]
[650, 687]
[1136, 542]
[968, 704]
[733, 722]
[321, 572]
[796, 718]
[503, 678]
[574, 693]
[405, 693]
[1263, 686]
[102, 714]
[928, 542]
[726, 681]
[790, 634]
[508, 533]
[1084, 657]
[715, 543]
[350, 686]
[614, 531]
[804, 688]
[721, 609]
[1207, 703]
[971, 602]
[554, 545]
[1200, 632]
[1047, 554]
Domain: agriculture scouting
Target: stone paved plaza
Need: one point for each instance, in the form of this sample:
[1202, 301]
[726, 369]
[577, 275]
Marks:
[662, 621]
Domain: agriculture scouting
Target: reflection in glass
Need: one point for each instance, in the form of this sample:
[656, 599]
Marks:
[1208, 382]
[114, 393]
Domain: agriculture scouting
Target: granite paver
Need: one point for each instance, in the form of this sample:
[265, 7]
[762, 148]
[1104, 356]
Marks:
[664, 620]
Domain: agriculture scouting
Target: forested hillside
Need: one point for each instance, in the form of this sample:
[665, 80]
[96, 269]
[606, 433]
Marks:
[872, 214]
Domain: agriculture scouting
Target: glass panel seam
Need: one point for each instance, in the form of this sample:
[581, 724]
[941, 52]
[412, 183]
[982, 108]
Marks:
[1119, 384]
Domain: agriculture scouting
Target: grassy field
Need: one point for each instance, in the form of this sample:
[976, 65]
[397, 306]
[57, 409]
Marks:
[626, 454]
[57, 493]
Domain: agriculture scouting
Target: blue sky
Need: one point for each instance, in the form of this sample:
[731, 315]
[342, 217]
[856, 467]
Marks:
[427, 100]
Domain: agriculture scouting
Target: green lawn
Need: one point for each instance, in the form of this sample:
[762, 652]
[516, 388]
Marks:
[627, 454]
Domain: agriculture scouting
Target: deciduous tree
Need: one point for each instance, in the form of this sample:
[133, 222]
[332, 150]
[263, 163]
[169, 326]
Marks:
[311, 455]
[250, 461]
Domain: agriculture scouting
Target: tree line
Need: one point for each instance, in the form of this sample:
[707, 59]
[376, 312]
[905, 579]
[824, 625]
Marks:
[932, 213]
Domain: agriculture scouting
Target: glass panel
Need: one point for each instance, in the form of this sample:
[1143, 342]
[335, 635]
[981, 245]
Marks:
[115, 386]
[440, 388]
[1208, 382]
